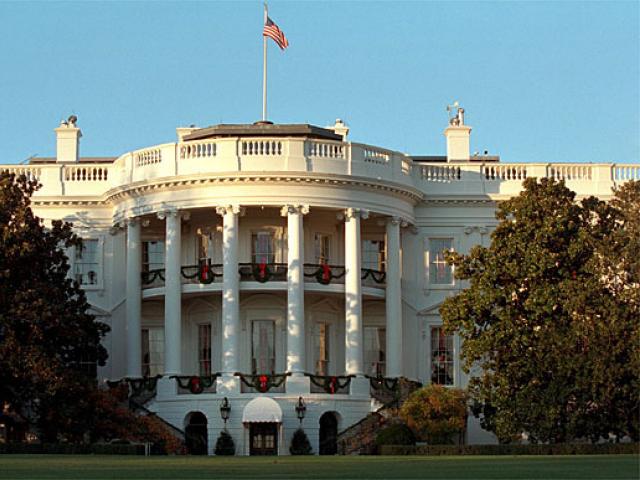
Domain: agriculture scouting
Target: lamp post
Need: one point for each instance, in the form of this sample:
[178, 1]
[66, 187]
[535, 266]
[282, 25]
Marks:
[301, 409]
[225, 410]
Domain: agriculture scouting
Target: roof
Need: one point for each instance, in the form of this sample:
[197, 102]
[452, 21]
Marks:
[265, 129]
[39, 160]
[262, 410]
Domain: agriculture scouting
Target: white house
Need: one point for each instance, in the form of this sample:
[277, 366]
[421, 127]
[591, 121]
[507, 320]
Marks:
[272, 264]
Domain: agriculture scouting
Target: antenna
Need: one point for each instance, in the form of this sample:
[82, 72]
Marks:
[26, 160]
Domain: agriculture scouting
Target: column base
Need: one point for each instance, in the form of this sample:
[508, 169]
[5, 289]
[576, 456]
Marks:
[360, 386]
[298, 384]
[227, 385]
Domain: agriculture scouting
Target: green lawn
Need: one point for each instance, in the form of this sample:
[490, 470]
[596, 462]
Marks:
[585, 467]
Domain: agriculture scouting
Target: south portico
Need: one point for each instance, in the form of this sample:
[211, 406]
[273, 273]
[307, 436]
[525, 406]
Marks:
[230, 290]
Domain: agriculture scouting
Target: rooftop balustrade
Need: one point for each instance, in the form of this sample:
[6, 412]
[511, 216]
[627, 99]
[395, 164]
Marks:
[304, 155]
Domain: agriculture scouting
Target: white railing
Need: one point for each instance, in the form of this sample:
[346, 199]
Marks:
[440, 173]
[569, 172]
[86, 173]
[623, 173]
[198, 149]
[504, 172]
[261, 147]
[325, 149]
[32, 173]
[375, 155]
[148, 156]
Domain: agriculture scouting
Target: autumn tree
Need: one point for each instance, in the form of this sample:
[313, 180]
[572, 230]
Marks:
[48, 340]
[549, 324]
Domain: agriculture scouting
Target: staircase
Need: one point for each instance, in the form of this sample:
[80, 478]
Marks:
[360, 438]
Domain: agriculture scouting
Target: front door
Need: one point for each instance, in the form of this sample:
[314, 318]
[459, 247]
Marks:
[263, 438]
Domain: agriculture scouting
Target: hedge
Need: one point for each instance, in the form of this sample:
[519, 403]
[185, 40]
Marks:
[555, 449]
[73, 449]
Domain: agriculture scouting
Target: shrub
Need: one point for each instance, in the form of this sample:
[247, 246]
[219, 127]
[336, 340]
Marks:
[300, 443]
[514, 449]
[437, 414]
[224, 444]
[398, 434]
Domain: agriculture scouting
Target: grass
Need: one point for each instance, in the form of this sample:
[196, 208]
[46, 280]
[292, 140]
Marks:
[583, 467]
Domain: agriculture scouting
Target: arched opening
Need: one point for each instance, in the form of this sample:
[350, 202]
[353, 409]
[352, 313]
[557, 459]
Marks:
[195, 434]
[328, 434]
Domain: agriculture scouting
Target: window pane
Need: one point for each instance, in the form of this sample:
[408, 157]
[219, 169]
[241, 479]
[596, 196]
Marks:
[87, 262]
[373, 254]
[322, 248]
[375, 351]
[263, 347]
[152, 351]
[262, 247]
[440, 273]
[321, 348]
[152, 255]
[204, 349]
[441, 357]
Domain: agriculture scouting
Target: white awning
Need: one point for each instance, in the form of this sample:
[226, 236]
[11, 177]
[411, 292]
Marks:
[262, 409]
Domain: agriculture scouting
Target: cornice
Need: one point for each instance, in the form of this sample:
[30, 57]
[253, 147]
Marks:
[138, 189]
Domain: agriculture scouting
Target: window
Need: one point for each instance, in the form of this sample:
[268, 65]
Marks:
[204, 349]
[441, 357]
[440, 273]
[373, 256]
[263, 359]
[205, 246]
[375, 351]
[321, 348]
[322, 247]
[87, 262]
[262, 247]
[152, 255]
[152, 351]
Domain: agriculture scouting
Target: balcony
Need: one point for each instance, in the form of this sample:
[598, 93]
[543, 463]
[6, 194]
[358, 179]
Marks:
[264, 276]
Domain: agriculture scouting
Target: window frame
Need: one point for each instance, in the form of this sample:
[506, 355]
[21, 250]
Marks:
[99, 257]
[430, 284]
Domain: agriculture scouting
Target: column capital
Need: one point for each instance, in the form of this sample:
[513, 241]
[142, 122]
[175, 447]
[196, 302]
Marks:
[225, 209]
[290, 209]
[353, 213]
[173, 213]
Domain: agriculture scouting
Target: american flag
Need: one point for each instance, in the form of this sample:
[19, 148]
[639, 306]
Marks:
[272, 31]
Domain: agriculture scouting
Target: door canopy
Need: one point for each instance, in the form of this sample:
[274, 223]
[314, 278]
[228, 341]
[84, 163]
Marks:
[262, 410]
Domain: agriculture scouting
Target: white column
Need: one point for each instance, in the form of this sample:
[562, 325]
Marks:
[230, 289]
[295, 288]
[134, 300]
[393, 300]
[173, 294]
[354, 359]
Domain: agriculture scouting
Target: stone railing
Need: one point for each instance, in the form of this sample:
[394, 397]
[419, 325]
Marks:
[506, 178]
[32, 173]
[73, 173]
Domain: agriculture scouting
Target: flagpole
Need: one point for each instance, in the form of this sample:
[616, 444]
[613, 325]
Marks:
[264, 69]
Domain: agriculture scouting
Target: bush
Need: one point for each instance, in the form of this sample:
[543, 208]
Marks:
[398, 434]
[514, 449]
[300, 443]
[437, 414]
[71, 448]
[224, 444]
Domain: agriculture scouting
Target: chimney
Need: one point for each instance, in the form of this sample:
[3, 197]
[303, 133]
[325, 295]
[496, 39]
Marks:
[68, 141]
[340, 128]
[457, 134]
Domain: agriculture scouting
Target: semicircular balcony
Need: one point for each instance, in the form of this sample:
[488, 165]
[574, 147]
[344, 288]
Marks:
[206, 277]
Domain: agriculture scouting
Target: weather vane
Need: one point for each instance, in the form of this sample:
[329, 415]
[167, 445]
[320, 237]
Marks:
[456, 114]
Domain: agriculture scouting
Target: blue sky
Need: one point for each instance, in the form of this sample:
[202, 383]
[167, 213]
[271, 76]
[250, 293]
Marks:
[540, 81]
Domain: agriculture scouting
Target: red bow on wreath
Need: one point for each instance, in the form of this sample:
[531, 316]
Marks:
[263, 382]
[204, 272]
[195, 384]
[262, 268]
[326, 273]
[332, 384]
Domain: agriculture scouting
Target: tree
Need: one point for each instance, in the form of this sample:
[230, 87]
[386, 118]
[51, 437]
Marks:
[300, 444]
[549, 336]
[47, 337]
[436, 413]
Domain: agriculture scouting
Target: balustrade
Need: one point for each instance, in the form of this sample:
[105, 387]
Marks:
[325, 149]
[261, 147]
[198, 149]
[149, 156]
[504, 172]
[375, 155]
[622, 173]
[32, 173]
[85, 174]
[440, 173]
[569, 172]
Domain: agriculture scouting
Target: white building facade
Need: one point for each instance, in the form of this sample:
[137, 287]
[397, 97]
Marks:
[267, 265]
